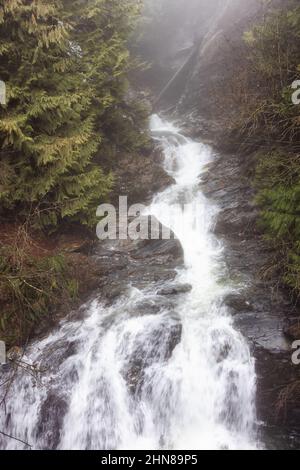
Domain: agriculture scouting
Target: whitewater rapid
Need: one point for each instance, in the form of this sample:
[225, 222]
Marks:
[201, 396]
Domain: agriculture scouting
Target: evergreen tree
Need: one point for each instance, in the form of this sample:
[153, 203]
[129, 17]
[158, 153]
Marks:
[64, 64]
[100, 30]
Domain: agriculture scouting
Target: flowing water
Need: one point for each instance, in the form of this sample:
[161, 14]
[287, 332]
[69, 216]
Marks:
[195, 385]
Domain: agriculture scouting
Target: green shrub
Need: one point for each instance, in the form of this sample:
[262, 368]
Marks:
[31, 287]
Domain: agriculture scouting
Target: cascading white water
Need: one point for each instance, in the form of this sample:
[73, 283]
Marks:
[199, 394]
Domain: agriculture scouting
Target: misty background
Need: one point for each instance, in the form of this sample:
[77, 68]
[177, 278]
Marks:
[176, 33]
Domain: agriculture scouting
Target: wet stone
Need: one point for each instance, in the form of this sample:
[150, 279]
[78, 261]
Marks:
[175, 289]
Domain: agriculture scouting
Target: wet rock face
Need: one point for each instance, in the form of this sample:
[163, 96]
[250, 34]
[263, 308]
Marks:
[238, 303]
[52, 415]
[138, 263]
[292, 329]
[146, 356]
[140, 177]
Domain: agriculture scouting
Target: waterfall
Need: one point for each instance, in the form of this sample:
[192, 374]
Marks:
[181, 379]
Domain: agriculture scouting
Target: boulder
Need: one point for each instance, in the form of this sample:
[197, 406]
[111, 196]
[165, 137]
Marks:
[292, 330]
[175, 289]
[238, 303]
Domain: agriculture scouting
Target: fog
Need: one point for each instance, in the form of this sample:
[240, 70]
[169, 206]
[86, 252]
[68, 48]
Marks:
[172, 25]
[170, 29]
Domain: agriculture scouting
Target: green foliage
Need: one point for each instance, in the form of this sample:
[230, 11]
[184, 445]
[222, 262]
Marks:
[29, 288]
[278, 184]
[266, 112]
[65, 65]
[274, 55]
[262, 119]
